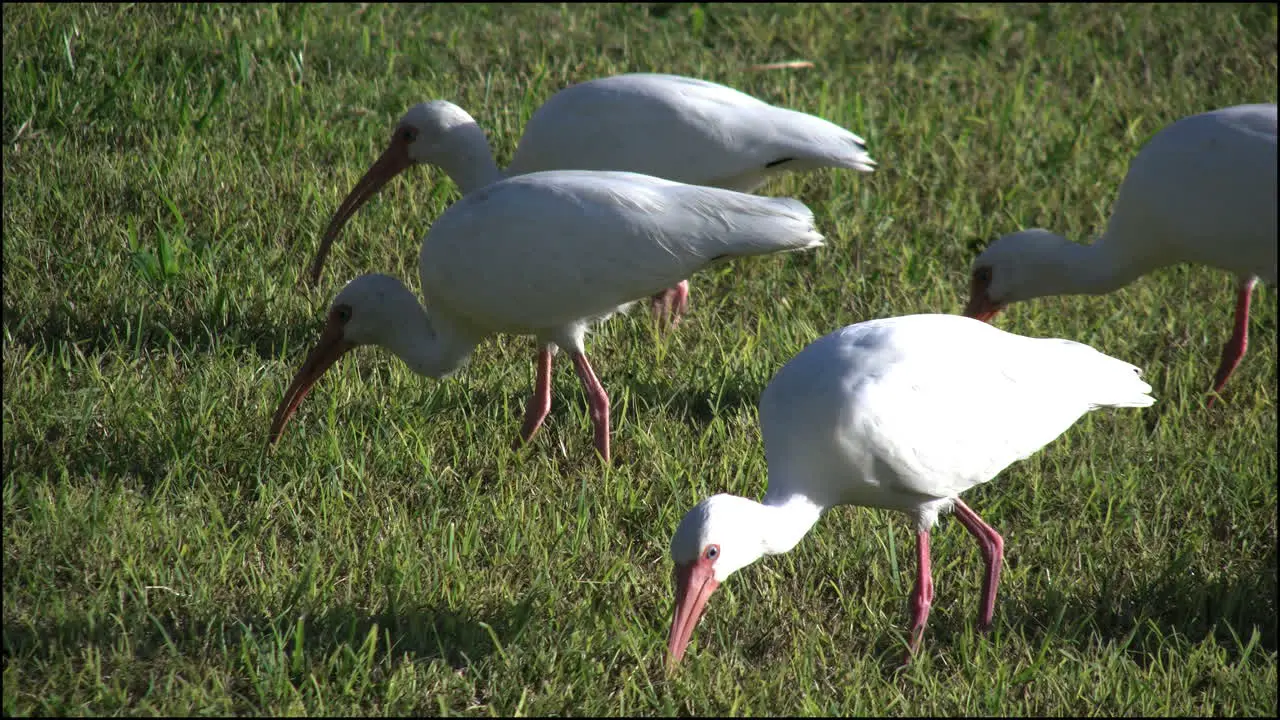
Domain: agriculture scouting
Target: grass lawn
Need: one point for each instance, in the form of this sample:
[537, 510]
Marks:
[167, 175]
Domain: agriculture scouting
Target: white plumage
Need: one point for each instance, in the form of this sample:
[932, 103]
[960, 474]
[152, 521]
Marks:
[1203, 190]
[548, 254]
[682, 129]
[672, 127]
[900, 413]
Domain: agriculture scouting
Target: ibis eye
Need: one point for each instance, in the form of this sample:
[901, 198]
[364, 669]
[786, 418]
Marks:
[712, 552]
[408, 134]
[982, 275]
[342, 312]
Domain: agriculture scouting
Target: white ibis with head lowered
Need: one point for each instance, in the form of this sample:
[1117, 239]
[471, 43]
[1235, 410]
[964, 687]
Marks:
[1202, 190]
[547, 254]
[667, 126]
[900, 413]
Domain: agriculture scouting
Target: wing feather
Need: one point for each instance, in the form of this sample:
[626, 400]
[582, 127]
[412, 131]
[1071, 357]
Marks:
[680, 129]
[568, 245]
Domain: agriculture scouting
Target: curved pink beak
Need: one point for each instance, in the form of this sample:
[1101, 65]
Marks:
[980, 306]
[694, 584]
[393, 161]
[330, 347]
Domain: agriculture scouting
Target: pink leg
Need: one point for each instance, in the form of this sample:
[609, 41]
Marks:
[658, 305]
[540, 401]
[672, 301]
[1233, 351]
[598, 401]
[922, 596]
[681, 301]
[992, 552]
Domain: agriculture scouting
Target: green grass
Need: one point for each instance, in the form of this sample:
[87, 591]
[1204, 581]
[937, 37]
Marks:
[168, 172]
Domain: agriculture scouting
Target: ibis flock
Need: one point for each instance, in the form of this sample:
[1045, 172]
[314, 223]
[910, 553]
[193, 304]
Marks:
[623, 187]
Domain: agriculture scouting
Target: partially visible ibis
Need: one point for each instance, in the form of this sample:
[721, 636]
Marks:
[1202, 190]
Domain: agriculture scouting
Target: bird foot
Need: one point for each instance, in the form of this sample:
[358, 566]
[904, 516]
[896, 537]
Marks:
[669, 305]
[913, 645]
[910, 654]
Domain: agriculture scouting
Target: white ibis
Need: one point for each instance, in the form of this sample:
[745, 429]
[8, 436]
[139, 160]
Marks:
[672, 127]
[1203, 190]
[901, 413]
[547, 254]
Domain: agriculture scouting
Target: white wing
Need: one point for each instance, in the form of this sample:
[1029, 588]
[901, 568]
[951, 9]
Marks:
[929, 405]
[550, 249]
[680, 129]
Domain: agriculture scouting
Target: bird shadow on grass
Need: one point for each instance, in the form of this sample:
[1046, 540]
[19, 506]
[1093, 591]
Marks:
[97, 452]
[1141, 622]
[460, 638]
[1175, 604]
[101, 330]
[45, 451]
[694, 407]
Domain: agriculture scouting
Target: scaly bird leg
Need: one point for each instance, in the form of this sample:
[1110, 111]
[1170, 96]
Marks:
[598, 401]
[992, 553]
[1233, 351]
[922, 596]
[540, 401]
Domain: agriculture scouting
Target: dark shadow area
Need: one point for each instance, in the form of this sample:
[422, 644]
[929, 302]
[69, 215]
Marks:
[1140, 620]
[1178, 603]
[42, 450]
[696, 408]
[427, 633]
[102, 330]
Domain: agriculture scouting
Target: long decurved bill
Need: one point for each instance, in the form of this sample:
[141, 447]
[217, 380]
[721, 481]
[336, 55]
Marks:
[694, 584]
[981, 309]
[980, 306]
[326, 352]
[393, 161]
